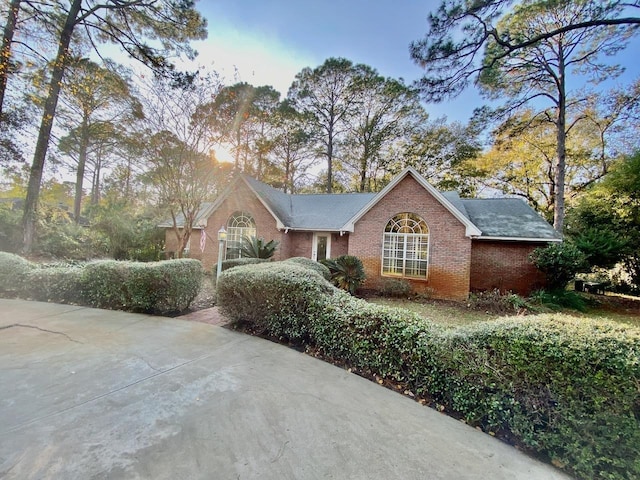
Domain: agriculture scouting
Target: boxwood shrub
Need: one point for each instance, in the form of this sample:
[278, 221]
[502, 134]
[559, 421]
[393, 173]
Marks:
[13, 272]
[236, 262]
[312, 264]
[60, 284]
[275, 298]
[565, 387]
[160, 288]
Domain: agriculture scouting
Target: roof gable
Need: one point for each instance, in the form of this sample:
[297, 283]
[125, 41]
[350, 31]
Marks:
[470, 228]
[505, 219]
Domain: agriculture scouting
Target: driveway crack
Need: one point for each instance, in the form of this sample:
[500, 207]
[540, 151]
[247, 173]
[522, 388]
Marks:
[41, 329]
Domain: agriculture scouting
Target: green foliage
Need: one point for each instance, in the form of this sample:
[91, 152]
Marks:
[10, 229]
[347, 272]
[236, 262]
[559, 262]
[564, 387]
[393, 287]
[312, 264]
[559, 299]
[13, 272]
[602, 248]
[254, 247]
[59, 236]
[278, 297]
[160, 288]
[613, 207]
[496, 301]
[127, 234]
[58, 283]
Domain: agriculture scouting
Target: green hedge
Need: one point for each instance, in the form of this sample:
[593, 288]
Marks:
[13, 271]
[59, 284]
[312, 264]
[161, 287]
[565, 387]
[277, 297]
[237, 262]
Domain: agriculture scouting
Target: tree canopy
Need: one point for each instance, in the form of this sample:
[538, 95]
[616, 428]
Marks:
[524, 52]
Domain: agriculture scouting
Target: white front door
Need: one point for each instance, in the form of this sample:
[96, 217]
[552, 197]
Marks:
[321, 249]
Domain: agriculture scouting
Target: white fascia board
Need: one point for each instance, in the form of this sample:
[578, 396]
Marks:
[470, 229]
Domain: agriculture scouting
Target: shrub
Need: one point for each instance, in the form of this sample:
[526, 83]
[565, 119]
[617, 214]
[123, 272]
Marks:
[601, 248]
[312, 264]
[495, 301]
[277, 297]
[347, 272]
[564, 387]
[13, 271]
[57, 283]
[559, 299]
[254, 247]
[10, 228]
[392, 287]
[236, 262]
[559, 262]
[162, 288]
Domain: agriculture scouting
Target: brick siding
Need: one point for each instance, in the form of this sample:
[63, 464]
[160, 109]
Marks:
[505, 266]
[456, 264]
[449, 248]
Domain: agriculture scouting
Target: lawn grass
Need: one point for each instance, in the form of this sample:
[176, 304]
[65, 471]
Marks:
[616, 308]
[445, 313]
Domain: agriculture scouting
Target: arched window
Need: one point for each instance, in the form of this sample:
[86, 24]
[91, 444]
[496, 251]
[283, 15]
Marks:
[405, 248]
[240, 224]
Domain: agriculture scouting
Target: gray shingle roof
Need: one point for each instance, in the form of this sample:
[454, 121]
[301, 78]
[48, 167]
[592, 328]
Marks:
[508, 217]
[311, 211]
[496, 218]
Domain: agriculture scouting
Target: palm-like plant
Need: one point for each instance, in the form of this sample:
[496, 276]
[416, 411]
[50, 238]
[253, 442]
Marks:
[347, 272]
[254, 247]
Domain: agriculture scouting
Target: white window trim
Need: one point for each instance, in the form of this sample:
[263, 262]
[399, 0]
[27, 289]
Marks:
[231, 233]
[404, 254]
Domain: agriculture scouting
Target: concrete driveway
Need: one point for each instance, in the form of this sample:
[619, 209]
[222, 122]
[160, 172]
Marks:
[95, 394]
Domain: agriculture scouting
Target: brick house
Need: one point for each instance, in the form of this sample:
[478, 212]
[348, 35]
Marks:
[441, 244]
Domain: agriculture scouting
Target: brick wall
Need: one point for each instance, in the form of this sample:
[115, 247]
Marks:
[449, 248]
[339, 244]
[241, 199]
[298, 244]
[505, 266]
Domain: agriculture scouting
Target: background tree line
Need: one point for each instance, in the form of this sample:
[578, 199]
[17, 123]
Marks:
[144, 143]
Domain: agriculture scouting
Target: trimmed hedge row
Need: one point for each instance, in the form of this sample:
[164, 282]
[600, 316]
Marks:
[161, 288]
[567, 388]
[236, 262]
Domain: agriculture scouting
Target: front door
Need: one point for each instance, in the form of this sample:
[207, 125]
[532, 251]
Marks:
[321, 246]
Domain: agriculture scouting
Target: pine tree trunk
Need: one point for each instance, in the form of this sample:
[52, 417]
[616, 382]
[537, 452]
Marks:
[5, 52]
[82, 161]
[561, 153]
[44, 134]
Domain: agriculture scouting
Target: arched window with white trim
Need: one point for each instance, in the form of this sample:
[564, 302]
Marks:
[405, 248]
[240, 224]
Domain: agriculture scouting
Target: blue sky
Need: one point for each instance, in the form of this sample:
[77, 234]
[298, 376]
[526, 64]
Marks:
[268, 42]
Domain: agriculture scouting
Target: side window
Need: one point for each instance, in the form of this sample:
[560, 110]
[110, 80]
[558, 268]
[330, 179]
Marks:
[239, 225]
[405, 247]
